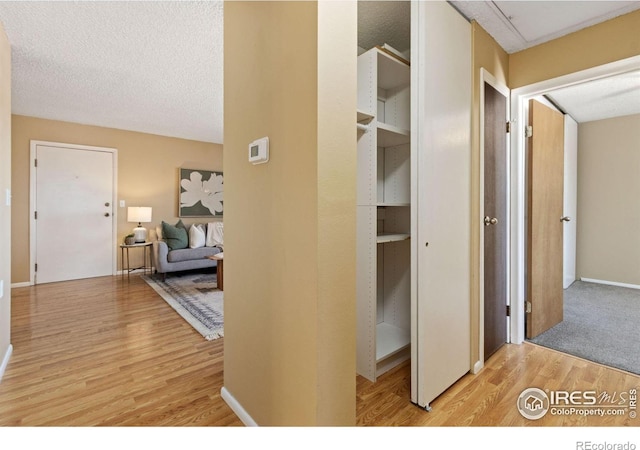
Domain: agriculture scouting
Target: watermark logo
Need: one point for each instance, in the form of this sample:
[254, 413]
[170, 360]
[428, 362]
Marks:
[533, 403]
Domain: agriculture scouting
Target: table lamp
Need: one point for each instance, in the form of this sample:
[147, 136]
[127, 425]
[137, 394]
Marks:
[139, 214]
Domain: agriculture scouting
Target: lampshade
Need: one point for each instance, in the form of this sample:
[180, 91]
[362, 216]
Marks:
[139, 214]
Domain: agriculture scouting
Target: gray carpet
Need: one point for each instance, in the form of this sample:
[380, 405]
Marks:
[601, 324]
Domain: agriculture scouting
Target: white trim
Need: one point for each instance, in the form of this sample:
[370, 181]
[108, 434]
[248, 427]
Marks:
[5, 361]
[487, 77]
[611, 283]
[519, 98]
[137, 271]
[32, 201]
[417, 71]
[237, 408]
[21, 284]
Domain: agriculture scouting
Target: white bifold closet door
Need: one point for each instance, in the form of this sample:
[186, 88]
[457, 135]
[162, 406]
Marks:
[441, 116]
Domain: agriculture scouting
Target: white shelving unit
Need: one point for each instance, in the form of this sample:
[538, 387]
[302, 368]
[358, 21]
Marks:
[384, 213]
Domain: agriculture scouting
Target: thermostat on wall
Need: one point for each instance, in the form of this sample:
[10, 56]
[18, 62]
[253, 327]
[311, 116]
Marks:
[259, 151]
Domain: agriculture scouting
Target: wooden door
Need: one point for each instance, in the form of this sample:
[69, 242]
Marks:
[74, 213]
[545, 161]
[495, 220]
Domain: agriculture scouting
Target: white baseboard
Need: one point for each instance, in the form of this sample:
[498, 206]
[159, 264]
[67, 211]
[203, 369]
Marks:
[477, 367]
[611, 283]
[23, 284]
[5, 360]
[237, 408]
[135, 271]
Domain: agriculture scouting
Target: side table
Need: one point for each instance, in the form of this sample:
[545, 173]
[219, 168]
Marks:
[144, 246]
[219, 257]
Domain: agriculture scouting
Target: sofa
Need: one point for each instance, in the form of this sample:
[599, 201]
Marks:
[194, 256]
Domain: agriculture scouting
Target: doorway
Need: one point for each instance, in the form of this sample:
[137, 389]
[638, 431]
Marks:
[519, 99]
[73, 223]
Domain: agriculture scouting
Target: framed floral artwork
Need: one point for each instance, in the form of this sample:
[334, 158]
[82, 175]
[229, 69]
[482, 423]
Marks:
[200, 193]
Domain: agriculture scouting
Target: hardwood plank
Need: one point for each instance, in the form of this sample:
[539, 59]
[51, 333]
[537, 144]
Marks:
[107, 352]
[489, 398]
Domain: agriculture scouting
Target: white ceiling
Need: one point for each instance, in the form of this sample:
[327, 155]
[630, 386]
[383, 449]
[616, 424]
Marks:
[151, 66]
[600, 99]
[517, 25]
[156, 66]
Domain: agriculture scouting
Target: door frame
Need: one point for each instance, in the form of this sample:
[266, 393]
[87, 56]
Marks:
[519, 98]
[487, 77]
[32, 200]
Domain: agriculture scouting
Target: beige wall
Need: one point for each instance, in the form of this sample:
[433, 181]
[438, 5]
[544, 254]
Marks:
[600, 44]
[608, 200]
[5, 183]
[290, 74]
[487, 54]
[147, 174]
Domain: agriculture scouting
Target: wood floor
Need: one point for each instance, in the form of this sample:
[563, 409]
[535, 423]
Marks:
[108, 352]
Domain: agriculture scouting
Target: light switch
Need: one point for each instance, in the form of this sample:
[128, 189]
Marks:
[8, 197]
[121, 203]
[1, 288]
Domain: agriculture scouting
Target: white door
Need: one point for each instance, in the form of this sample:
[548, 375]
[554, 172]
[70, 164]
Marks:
[73, 212]
[570, 199]
[441, 336]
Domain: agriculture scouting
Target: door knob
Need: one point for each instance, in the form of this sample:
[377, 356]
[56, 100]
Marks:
[106, 214]
[566, 219]
[490, 221]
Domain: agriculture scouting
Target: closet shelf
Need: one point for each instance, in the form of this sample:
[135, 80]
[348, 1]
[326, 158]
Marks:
[392, 136]
[392, 72]
[385, 204]
[390, 339]
[383, 238]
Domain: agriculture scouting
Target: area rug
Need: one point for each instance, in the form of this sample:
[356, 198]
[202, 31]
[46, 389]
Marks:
[196, 297]
[601, 324]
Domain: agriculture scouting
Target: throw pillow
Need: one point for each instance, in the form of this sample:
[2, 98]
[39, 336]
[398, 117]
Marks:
[215, 234]
[196, 236]
[175, 236]
[159, 233]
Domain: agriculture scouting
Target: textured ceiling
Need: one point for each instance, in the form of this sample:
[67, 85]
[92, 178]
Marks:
[384, 22]
[156, 66]
[600, 99]
[152, 66]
